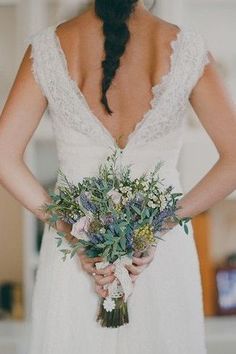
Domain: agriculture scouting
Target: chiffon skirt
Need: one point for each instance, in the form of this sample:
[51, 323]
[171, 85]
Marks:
[165, 308]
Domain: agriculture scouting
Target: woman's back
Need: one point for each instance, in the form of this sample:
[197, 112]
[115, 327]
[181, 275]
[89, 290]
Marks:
[148, 96]
[144, 63]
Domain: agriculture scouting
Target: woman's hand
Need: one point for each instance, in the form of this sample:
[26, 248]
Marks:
[140, 263]
[103, 276]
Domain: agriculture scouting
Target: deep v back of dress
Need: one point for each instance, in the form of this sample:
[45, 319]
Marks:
[168, 297]
[156, 89]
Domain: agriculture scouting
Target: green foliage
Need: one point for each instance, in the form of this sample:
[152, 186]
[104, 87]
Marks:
[142, 199]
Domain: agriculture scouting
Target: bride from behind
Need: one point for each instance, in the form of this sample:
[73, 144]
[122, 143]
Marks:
[118, 76]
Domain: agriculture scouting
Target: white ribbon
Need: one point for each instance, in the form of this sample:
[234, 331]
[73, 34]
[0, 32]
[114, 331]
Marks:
[122, 275]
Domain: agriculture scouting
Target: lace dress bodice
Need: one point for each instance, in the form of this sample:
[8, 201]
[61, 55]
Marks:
[83, 141]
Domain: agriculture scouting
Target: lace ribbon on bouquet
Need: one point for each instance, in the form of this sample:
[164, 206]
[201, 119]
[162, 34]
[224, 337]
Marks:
[122, 285]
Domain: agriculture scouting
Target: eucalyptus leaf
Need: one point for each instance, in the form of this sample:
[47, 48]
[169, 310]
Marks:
[186, 229]
[136, 209]
[123, 243]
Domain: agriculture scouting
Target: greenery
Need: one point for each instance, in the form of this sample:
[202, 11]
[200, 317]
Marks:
[114, 215]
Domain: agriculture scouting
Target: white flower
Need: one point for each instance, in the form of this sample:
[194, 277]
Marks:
[124, 200]
[115, 196]
[81, 227]
[88, 194]
[129, 194]
[163, 202]
[109, 304]
[151, 204]
[126, 189]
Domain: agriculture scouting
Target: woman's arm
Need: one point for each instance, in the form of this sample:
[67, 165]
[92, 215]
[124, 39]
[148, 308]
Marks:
[217, 113]
[20, 117]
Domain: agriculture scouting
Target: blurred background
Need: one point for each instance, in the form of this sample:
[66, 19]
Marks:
[215, 230]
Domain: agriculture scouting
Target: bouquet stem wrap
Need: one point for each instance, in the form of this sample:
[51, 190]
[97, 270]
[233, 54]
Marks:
[113, 311]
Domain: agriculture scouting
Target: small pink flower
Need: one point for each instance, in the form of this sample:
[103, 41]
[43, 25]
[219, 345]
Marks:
[115, 195]
[81, 227]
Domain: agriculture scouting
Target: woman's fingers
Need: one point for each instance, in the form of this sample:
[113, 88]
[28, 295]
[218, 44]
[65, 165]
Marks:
[133, 277]
[145, 259]
[101, 276]
[88, 264]
[140, 263]
[100, 291]
[135, 270]
[105, 275]
[106, 271]
[101, 280]
[89, 268]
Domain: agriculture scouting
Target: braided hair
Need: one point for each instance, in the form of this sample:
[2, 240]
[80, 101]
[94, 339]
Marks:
[114, 14]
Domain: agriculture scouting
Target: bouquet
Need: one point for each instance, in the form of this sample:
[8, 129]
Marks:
[114, 216]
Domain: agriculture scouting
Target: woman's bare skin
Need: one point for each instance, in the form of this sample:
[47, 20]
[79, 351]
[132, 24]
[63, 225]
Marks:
[26, 104]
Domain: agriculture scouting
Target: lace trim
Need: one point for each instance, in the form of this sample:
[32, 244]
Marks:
[35, 67]
[156, 89]
[155, 128]
[174, 44]
[200, 58]
[68, 104]
[170, 112]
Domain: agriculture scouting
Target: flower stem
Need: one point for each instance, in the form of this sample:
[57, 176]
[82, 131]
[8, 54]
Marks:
[115, 318]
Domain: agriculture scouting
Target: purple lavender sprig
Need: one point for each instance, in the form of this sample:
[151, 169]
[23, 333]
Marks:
[87, 203]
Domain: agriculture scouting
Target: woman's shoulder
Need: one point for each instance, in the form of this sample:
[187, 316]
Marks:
[191, 42]
[190, 52]
[195, 45]
[194, 35]
[41, 35]
[191, 35]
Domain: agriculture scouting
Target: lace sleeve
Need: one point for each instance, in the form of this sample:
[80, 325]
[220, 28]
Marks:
[199, 57]
[37, 56]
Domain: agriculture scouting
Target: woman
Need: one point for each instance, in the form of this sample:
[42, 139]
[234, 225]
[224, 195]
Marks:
[136, 100]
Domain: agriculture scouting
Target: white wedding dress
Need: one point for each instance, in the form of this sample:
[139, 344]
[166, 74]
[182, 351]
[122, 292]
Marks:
[165, 309]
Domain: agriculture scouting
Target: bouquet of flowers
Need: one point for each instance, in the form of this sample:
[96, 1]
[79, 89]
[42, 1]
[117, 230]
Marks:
[114, 216]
